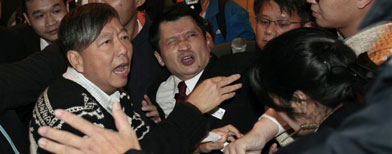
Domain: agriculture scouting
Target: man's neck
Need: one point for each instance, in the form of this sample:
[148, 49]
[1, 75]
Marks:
[352, 27]
[132, 27]
[349, 30]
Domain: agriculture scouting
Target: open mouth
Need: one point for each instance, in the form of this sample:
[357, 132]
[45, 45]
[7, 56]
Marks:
[188, 60]
[122, 70]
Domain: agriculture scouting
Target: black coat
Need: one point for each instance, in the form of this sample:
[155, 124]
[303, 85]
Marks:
[243, 110]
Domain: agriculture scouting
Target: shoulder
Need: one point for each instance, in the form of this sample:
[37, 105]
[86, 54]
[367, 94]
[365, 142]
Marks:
[234, 7]
[64, 93]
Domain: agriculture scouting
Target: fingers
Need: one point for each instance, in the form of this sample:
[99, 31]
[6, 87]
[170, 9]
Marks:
[76, 122]
[54, 147]
[230, 88]
[148, 108]
[64, 137]
[227, 96]
[228, 80]
[233, 131]
[153, 113]
[120, 119]
[148, 101]
[273, 148]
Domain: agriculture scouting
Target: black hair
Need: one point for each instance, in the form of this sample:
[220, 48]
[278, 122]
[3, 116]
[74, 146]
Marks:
[307, 59]
[301, 7]
[24, 6]
[81, 26]
[173, 13]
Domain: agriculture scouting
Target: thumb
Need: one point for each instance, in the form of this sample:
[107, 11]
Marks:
[121, 119]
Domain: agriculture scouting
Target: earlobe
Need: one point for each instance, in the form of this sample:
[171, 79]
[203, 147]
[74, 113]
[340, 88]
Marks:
[140, 3]
[159, 58]
[76, 60]
[299, 101]
[26, 18]
[310, 24]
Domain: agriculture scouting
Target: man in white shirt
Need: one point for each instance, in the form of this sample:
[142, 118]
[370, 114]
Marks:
[182, 46]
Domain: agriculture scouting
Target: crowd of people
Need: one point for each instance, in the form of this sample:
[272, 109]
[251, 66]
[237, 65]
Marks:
[140, 76]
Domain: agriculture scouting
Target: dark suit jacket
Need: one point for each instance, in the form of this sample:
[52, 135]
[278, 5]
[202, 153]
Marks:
[12, 48]
[144, 69]
[243, 110]
[31, 40]
[21, 84]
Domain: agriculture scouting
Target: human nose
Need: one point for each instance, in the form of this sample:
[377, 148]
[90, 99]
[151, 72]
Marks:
[50, 20]
[123, 47]
[183, 45]
[271, 28]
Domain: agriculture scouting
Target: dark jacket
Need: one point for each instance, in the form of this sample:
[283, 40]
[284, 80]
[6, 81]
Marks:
[243, 110]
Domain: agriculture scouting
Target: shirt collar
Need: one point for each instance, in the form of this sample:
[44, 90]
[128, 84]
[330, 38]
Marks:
[43, 43]
[103, 99]
[190, 83]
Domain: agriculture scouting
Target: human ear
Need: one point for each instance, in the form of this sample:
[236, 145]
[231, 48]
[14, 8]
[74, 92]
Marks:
[76, 60]
[299, 102]
[159, 58]
[210, 40]
[363, 3]
[140, 3]
[310, 24]
[26, 18]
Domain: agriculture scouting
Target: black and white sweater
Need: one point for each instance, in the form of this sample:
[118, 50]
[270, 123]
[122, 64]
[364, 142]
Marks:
[82, 99]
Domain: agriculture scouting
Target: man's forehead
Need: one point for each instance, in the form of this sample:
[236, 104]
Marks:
[35, 5]
[181, 24]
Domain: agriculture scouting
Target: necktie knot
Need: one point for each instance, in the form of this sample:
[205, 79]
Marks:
[181, 95]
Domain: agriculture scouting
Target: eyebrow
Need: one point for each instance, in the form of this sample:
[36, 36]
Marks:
[39, 10]
[110, 33]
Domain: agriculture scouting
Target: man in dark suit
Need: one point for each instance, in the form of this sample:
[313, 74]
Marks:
[43, 20]
[181, 44]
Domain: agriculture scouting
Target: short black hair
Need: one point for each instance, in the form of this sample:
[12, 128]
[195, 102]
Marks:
[311, 60]
[24, 6]
[301, 7]
[173, 13]
[81, 26]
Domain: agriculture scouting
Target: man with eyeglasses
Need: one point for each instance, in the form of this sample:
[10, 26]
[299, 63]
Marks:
[275, 17]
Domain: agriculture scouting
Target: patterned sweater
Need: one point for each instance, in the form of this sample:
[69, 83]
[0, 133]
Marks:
[71, 96]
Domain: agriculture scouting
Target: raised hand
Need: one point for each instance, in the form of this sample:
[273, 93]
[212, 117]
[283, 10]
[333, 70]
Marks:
[150, 109]
[97, 140]
[213, 91]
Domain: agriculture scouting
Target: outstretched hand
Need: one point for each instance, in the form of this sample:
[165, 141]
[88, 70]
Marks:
[97, 140]
[213, 91]
[150, 109]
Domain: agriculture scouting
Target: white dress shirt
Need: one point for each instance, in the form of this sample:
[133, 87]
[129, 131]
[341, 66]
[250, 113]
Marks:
[43, 43]
[105, 100]
[167, 90]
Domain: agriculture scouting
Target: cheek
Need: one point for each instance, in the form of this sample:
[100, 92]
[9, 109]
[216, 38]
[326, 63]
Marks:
[259, 31]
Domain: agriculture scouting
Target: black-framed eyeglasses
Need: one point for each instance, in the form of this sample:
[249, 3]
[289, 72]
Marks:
[280, 23]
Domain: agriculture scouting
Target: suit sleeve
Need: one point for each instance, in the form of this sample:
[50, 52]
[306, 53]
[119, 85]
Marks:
[178, 134]
[22, 82]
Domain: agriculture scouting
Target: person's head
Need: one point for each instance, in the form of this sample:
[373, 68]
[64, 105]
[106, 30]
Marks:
[180, 43]
[307, 77]
[344, 15]
[45, 16]
[97, 45]
[275, 17]
[126, 9]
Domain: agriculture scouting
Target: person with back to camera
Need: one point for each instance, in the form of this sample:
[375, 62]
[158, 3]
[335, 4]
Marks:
[312, 82]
